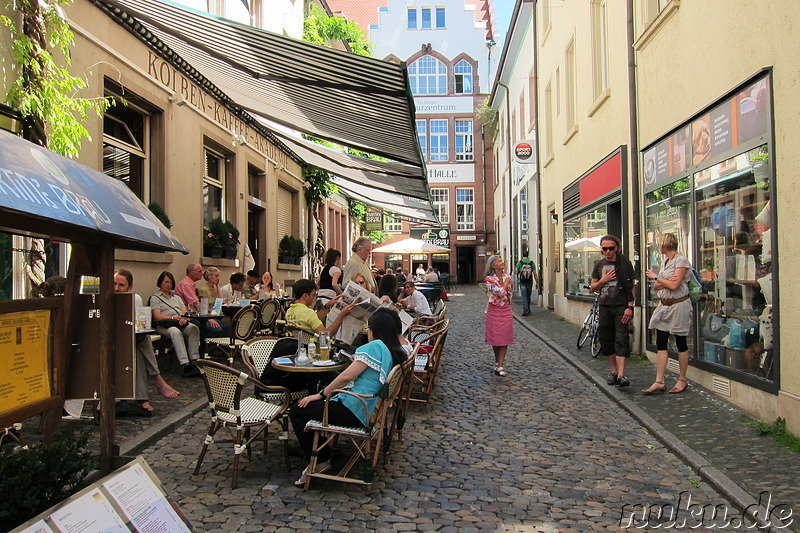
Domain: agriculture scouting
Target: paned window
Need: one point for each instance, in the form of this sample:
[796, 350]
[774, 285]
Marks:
[427, 75]
[440, 17]
[441, 204]
[125, 146]
[599, 47]
[412, 18]
[426, 18]
[438, 138]
[422, 135]
[570, 83]
[465, 209]
[392, 224]
[464, 140]
[213, 186]
[463, 77]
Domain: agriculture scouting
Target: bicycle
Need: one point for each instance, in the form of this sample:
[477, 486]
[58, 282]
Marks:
[589, 328]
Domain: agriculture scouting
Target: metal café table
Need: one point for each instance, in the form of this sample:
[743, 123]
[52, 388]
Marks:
[310, 368]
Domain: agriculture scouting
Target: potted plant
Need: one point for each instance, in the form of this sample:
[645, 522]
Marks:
[230, 243]
[760, 164]
[212, 238]
[299, 250]
[285, 250]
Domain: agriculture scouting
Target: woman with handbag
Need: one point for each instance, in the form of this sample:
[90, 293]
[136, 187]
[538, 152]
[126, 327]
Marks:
[168, 313]
[673, 314]
[499, 317]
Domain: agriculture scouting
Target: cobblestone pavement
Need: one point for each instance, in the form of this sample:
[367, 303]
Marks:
[544, 449]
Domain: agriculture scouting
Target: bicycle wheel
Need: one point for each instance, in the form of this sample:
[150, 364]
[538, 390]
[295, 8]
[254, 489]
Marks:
[583, 334]
[595, 345]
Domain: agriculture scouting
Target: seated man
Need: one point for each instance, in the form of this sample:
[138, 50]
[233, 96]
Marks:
[250, 287]
[301, 313]
[232, 292]
[413, 300]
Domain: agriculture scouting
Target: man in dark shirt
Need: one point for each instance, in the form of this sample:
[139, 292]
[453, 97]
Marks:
[613, 276]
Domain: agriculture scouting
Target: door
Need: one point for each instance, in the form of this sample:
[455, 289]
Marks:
[255, 237]
[466, 264]
[552, 258]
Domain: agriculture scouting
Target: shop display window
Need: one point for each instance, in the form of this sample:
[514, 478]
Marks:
[734, 244]
[582, 249]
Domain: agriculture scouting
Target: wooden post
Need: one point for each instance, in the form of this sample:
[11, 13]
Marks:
[107, 349]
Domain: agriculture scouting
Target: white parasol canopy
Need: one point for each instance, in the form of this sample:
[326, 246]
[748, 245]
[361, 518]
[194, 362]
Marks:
[410, 246]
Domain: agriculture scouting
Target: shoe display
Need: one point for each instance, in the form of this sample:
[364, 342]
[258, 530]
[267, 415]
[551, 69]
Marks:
[622, 381]
[612, 379]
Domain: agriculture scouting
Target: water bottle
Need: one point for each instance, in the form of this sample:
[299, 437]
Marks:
[302, 358]
[312, 350]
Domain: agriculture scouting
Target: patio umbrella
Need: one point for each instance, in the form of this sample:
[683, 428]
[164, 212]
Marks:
[583, 245]
[410, 246]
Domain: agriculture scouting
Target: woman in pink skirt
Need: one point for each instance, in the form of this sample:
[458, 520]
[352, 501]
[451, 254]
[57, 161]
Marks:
[499, 317]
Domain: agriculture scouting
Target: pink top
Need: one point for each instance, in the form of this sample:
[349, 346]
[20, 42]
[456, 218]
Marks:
[497, 294]
[187, 290]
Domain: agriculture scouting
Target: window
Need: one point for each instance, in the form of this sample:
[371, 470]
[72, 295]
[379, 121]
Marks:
[441, 204]
[427, 75]
[423, 137]
[652, 8]
[125, 146]
[464, 140]
[426, 18]
[463, 77]
[599, 48]
[439, 17]
[438, 138]
[392, 223]
[383, 9]
[286, 211]
[582, 248]
[531, 100]
[548, 125]
[570, 84]
[523, 208]
[465, 209]
[374, 27]
[412, 18]
[392, 262]
[522, 126]
[213, 186]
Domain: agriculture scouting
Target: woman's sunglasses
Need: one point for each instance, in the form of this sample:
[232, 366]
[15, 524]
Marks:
[609, 248]
[361, 282]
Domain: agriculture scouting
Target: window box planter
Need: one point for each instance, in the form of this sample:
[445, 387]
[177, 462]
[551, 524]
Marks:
[229, 253]
[212, 251]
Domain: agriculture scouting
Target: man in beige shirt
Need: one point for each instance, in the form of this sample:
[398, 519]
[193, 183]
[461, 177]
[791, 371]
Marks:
[358, 263]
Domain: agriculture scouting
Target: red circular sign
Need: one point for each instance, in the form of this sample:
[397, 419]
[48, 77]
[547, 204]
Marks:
[523, 151]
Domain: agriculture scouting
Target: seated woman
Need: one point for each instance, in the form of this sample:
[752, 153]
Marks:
[211, 291]
[168, 310]
[328, 281]
[268, 289]
[371, 365]
[387, 288]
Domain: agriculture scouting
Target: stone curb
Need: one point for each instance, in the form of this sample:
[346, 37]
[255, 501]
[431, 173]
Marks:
[135, 445]
[740, 498]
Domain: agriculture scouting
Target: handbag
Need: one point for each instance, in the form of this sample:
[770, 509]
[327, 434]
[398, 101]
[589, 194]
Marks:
[715, 328]
[171, 323]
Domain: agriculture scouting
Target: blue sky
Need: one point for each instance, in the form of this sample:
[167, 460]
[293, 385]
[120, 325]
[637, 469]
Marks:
[503, 10]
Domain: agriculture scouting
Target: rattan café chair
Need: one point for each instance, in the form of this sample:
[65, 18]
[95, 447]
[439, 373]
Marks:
[257, 355]
[243, 324]
[269, 311]
[246, 419]
[367, 441]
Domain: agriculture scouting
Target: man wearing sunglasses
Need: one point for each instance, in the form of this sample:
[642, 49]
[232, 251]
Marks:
[613, 277]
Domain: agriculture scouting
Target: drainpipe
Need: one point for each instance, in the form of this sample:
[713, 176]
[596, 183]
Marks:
[538, 159]
[512, 229]
[635, 221]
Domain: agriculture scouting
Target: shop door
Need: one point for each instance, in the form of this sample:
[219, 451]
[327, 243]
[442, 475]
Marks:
[466, 264]
[552, 266]
[255, 237]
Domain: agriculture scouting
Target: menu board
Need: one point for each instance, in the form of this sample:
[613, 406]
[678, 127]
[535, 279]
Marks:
[24, 350]
[130, 499]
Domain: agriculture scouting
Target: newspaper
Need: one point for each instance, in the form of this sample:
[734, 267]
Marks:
[366, 304]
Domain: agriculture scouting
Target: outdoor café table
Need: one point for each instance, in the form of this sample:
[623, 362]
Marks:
[203, 320]
[310, 368]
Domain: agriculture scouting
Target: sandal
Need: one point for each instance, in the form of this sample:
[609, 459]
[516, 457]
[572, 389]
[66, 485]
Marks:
[500, 371]
[676, 390]
[658, 386]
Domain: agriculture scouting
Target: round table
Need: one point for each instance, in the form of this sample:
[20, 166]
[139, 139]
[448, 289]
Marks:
[310, 368]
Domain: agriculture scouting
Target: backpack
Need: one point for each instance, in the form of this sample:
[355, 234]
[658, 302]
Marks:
[695, 286]
[526, 272]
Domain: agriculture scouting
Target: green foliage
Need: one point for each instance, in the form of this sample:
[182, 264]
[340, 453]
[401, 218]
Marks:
[43, 89]
[35, 479]
[213, 235]
[320, 186]
[319, 28]
[291, 247]
[285, 246]
[777, 430]
[160, 214]
[230, 236]
[377, 237]
[358, 211]
[488, 117]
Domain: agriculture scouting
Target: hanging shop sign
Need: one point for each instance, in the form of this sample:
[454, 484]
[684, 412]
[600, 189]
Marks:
[374, 220]
[437, 236]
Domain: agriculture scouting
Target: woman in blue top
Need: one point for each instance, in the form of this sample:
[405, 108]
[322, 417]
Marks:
[371, 365]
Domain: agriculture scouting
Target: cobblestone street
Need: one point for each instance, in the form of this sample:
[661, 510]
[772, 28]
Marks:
[540, 450]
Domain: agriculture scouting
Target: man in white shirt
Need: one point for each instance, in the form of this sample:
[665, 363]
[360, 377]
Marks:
[358, 264]
[232, 292]
[414, 300]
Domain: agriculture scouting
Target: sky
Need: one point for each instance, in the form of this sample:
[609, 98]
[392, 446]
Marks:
[503, 9]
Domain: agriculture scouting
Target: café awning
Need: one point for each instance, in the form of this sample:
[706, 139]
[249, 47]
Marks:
[46, 194]
[408, 208]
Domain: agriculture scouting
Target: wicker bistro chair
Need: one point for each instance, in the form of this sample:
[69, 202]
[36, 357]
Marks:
[367, 441]
[224, 386]
[257, 355]
[400, 406]
[269, 311]
[302, 335]
[426, 360]
[243, 324]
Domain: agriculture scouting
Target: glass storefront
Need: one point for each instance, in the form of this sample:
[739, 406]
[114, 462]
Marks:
[582, 248]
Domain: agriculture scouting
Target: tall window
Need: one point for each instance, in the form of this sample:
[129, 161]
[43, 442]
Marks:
[463, 77]
[465, 209]
[464, 140]
[427, 75]
[213, 186]
[125, 146]
[412, 18]
[531, 100]
[599, 47]
[440, 17]
[392, 223]
[441, 204]
[523, 208]
[438, 138]
[422, 135]
[569, 81]
[522, 125]
[426, 18]
[548, 125]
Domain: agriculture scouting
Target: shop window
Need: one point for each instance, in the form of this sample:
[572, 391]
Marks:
[441, 204]
[438, 140]
[464, 140]
[392, 261]
[423, 137]
[392, 224]
[463, 77]
[734, 241]
[465, 209]
[427, 75]
[213, 186]
[582, 248]
[125, 146]
[412, 18]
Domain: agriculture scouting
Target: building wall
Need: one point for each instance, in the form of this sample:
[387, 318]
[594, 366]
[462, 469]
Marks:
[687, 60]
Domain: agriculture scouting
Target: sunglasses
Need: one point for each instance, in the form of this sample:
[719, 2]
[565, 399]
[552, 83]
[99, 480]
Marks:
[609, 248]
[361, 282]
